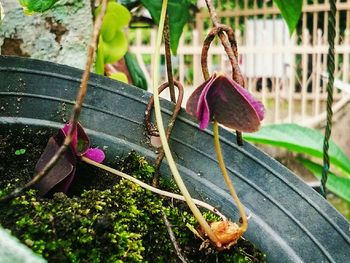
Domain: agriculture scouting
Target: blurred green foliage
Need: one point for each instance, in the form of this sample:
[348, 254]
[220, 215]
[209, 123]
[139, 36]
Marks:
[112, 44]
[136, 73]
[179, 14]
[308, 142]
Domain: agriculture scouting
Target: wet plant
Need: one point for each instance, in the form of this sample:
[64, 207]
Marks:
[222, 99]
[102, 218]
[51, 162]
[219, 99]
[245, 115]
[69, 141]
[112, 43]
[61, 176]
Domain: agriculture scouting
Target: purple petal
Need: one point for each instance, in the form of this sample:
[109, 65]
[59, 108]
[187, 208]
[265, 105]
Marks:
[232, 106]
[192, 102]
[64, 185]
[95, 154]
[197, 106]
[65, 128]
[80, 140]
[225, 100]
[257, 105]
[203, 110]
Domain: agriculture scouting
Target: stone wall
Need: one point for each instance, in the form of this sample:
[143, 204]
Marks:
[59, 35]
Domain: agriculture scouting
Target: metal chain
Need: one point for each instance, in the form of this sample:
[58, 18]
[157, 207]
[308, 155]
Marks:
[330, 69]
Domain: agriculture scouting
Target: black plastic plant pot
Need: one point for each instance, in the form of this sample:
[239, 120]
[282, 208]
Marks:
[288, 219]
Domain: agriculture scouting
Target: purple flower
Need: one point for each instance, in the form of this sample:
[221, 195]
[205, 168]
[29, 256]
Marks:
[61, 176]
[81, 144]
[223, 99]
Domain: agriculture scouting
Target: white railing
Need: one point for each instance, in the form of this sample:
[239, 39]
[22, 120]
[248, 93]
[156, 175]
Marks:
[290, 81]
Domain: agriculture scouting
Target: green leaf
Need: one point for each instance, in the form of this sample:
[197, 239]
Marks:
[302, 140]
[108, 29]
[112, 42]
[338, 185]
[122, 16]
[136, 73]
[120, 76]
[41, 6]
[115, 19]
[291, 11]
[115, 49]
[178, 13]
[100, 63]
[20, 151]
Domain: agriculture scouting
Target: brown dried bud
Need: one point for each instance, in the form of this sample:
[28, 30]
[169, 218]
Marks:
[227, 232]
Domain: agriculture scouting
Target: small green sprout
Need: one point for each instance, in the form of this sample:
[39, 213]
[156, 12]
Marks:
[20, 151]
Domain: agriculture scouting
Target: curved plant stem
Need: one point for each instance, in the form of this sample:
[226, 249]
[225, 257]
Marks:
[151, 188]
[163, 138]
[177, 108]
[231, 52]
[152, 130]
[76, 111]
[227, 178]
[150, 127]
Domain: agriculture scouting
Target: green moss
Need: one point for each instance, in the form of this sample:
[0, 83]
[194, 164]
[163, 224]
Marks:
[105, 219]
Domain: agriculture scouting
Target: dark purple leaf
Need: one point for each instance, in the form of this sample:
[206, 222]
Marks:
[60, 177]
[62, 174]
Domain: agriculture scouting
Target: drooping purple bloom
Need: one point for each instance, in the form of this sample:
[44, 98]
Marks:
[60, 177]
[81, 144]
[223, 99]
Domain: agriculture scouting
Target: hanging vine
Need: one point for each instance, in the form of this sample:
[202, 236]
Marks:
[330, 69]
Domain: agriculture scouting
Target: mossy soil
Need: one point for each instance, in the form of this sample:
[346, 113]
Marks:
[103, 218]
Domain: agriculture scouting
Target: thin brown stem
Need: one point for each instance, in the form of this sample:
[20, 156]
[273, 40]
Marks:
[212, 12]
[228, 41]
[204, 56]
[161, 154]
[239, 138]
[230, 45]
[162, 134]
[173, 238]
[236, 71]
[76, 111]
[153, 132]
[169, 69]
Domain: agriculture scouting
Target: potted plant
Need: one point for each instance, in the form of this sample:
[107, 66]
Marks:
[288, 219]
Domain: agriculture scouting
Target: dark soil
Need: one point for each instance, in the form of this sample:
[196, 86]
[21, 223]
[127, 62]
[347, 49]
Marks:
[103, 218]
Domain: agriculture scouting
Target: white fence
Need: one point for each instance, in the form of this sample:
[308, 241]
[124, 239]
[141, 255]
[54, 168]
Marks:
[285, 73]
